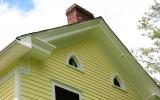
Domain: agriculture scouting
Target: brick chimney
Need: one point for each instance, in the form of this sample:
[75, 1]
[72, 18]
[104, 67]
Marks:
[77, 14]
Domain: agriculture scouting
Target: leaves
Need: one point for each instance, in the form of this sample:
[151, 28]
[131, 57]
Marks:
[150, 57]
[150, 22]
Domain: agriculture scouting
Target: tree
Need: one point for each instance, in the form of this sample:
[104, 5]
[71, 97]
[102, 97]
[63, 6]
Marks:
[150, 25]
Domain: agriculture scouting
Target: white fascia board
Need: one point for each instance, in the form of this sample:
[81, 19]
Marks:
[66, 31]
[12, 52]
[70, 33]
[42, 45]
[23, 45]
[41, 49]
[25, 41]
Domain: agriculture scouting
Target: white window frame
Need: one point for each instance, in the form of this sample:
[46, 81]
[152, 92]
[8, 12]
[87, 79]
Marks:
[67, 87]
[122, 85]
[78, 62]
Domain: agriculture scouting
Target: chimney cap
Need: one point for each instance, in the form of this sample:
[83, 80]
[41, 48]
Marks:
[77, 7]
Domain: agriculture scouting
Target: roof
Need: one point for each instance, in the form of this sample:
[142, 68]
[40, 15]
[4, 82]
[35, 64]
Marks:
[40, 45]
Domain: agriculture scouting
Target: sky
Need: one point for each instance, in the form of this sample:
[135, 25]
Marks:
[24, 5]
[19, 17]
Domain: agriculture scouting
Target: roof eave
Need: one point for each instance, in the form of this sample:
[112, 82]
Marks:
[11, 53]
[33, 47]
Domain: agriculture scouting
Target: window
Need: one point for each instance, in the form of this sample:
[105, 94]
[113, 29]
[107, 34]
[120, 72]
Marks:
[117, 82]
[62, 92]
[73, 61]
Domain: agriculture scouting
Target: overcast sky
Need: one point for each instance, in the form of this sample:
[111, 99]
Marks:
[19, 17]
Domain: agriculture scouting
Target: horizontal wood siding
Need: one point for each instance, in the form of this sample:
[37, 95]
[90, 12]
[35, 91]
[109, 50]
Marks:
[7, 89]
[94, 82]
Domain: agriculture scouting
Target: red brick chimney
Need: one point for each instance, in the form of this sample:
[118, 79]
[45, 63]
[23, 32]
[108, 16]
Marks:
[76, 14]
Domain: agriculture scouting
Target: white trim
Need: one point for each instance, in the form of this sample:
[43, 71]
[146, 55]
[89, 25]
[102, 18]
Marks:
[41, 49]
[11, 53]
[67, 87]
[17, 84]
[67, 33]
[26, 41]
[18, 71]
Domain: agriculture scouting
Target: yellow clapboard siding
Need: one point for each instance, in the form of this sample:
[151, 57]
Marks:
[27, 98]
[36, 89]
[7, 89]
[33, 96]
[77, 76]
[36, 83]
[7, 84]
[35, 92]
[94, 81]
[8, 97]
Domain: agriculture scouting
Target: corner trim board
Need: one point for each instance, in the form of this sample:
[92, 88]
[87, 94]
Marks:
[18, 72]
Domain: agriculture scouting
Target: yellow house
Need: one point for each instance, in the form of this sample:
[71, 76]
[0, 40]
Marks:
[80, 61]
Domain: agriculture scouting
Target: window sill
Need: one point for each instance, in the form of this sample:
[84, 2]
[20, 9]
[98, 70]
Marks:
[124, 90]
[77, 69]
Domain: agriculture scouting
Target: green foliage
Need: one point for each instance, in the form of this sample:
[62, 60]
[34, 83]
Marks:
[150, 24]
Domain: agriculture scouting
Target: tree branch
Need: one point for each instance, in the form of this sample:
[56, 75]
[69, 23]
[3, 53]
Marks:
[149, 62]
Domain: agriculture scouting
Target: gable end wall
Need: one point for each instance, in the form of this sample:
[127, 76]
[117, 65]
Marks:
[93, 82]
